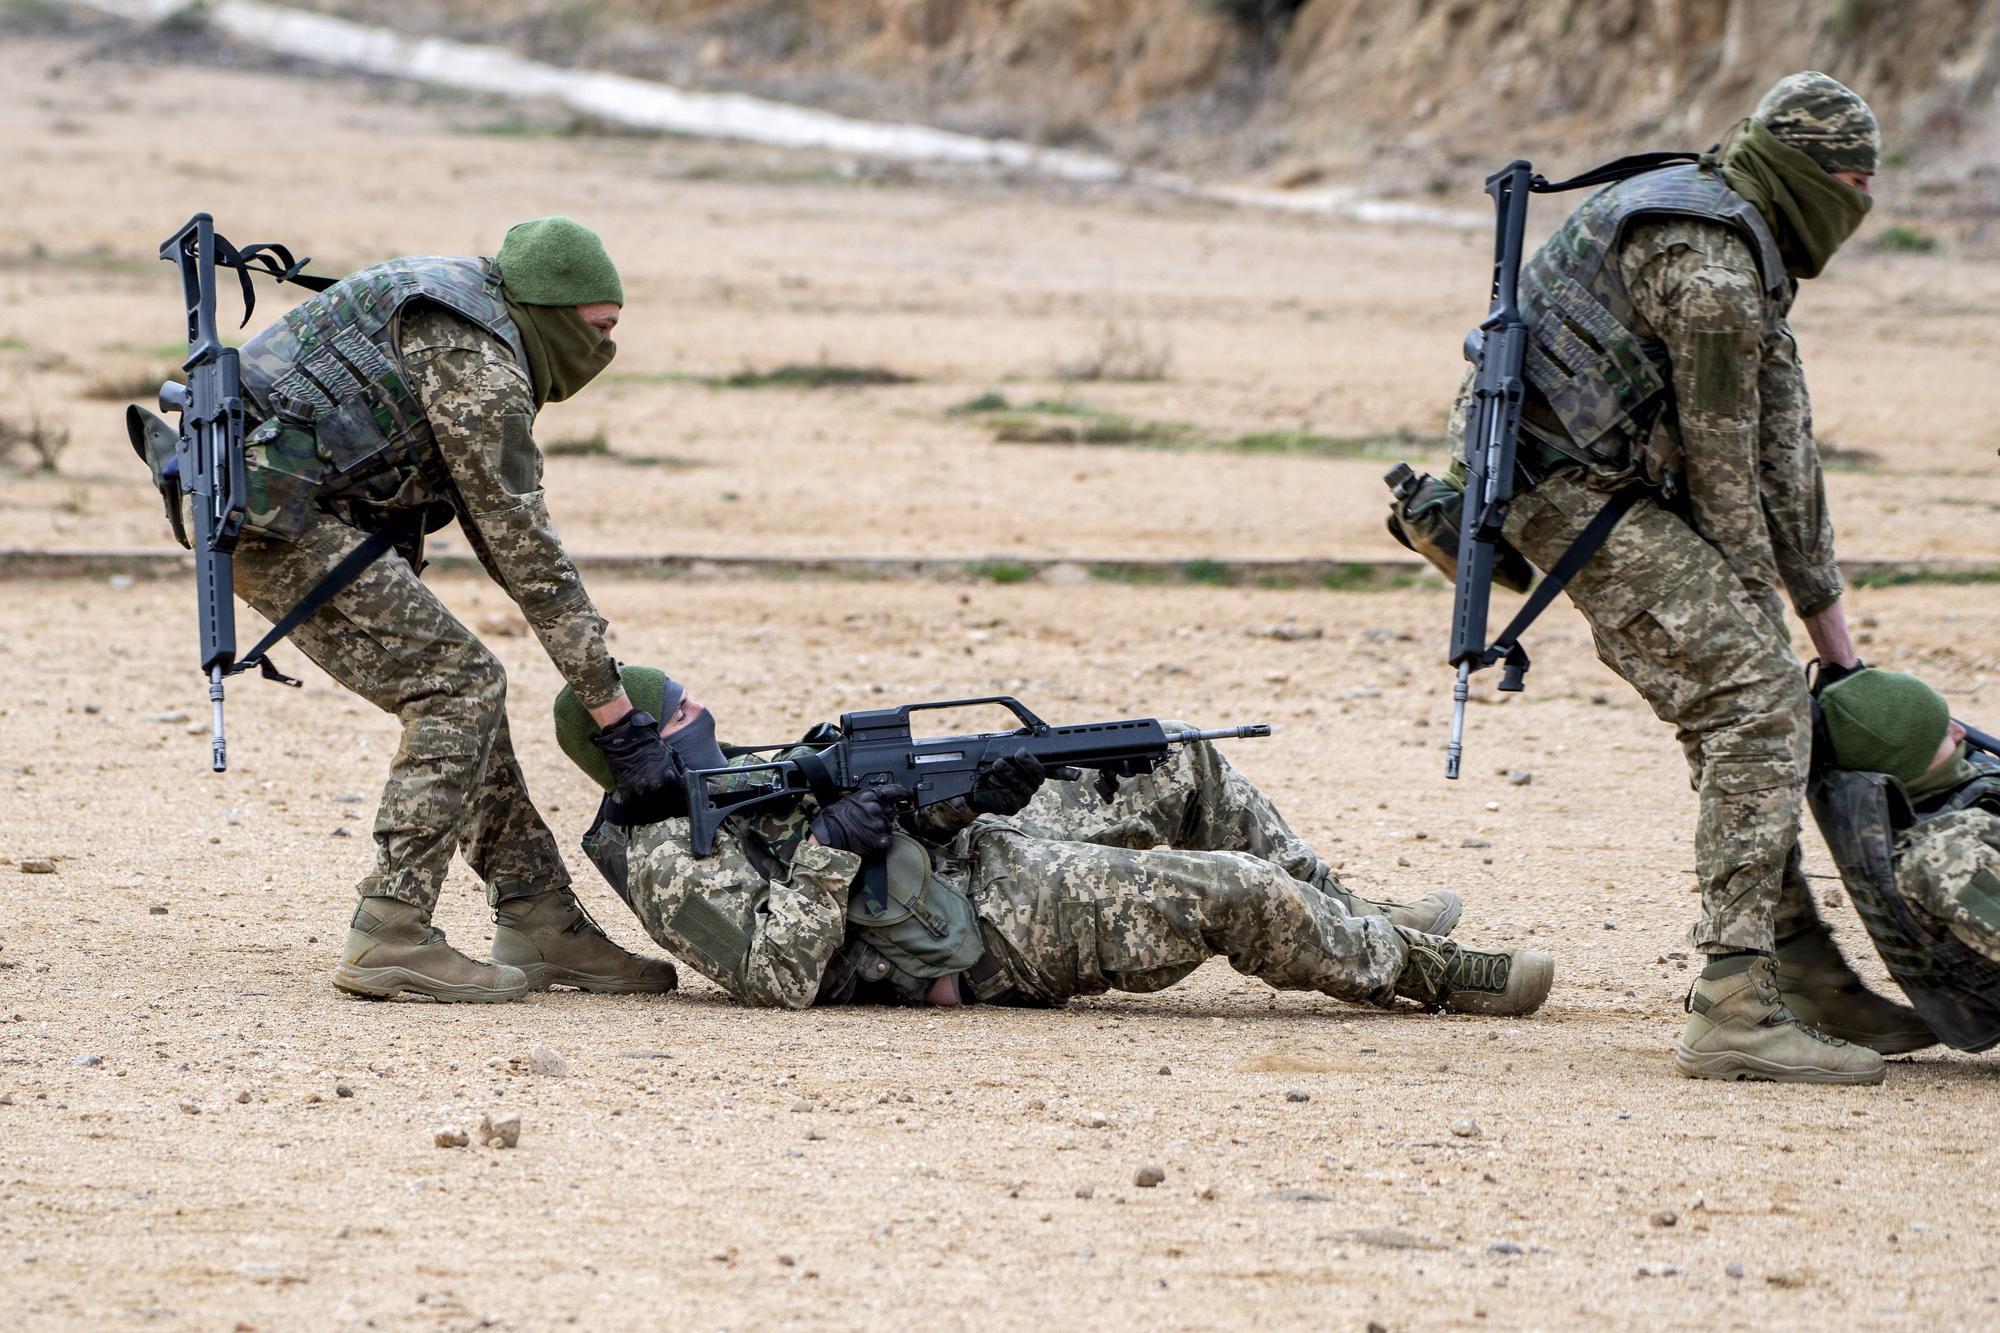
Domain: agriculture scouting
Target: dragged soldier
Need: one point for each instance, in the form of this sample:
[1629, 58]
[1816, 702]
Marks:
[1912, 814]
[1033, 890]
[1660, 358]
[406, 394]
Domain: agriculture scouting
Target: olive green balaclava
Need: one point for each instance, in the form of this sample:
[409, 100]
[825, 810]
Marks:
[549, 267]
[1782, 156]
[1885, 722]
[649, 689]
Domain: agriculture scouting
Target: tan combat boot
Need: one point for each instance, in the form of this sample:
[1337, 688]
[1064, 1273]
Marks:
[1738, 1027]
[553, 940]
[1442, 974]
[1822, 991]
[392, 947]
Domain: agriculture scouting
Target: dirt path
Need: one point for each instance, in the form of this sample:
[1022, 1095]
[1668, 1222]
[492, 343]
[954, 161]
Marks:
[175, 1147]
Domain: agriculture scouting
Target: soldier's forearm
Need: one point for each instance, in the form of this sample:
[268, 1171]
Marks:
[606, 714]
[1828, 630]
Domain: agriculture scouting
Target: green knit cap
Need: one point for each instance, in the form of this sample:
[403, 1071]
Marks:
[1824, 119]
[1884, 722]
[557, 261]
[650, 691]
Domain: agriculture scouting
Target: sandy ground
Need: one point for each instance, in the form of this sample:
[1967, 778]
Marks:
[207, 1171]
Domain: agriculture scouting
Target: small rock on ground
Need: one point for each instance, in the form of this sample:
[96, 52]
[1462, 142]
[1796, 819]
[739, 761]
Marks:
[1148, 1176]
[1465, 1129]
[545, 1061]
[500, 1131]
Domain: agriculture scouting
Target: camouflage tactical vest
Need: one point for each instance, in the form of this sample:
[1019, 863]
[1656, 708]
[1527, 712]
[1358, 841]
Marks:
[1602, 388]
[1954, 987]
[335, 409]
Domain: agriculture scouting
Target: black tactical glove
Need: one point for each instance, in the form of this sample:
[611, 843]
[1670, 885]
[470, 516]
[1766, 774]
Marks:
[644, 771]
[860, 822]
[1829, 672]
[1008, 786]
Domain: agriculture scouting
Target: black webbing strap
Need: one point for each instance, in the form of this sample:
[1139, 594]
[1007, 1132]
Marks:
[349, 569]
[272, 259]
[1574, 559]
[1635, 165]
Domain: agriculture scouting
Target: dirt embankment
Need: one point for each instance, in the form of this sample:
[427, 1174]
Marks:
[1337, 86]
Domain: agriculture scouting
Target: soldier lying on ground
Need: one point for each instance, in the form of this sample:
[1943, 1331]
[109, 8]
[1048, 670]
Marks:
[1919, 847]
[1033, 891]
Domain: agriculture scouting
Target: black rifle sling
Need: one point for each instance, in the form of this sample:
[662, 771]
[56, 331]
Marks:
[350, 568]
[1622, 169]
[269, 258]
[1594, 535]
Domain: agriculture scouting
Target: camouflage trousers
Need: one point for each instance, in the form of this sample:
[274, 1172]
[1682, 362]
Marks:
[454, 784]
[1079, 900]
[1713, 658]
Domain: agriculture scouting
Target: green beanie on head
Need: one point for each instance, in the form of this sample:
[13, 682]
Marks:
[1885, 722]
[557, 261]
[649, 689]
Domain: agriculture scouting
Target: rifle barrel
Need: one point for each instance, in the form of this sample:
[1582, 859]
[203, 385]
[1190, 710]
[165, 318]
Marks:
[1219, 733]
[1979, 740]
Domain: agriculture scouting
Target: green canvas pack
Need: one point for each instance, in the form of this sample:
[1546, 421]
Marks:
[918, 920]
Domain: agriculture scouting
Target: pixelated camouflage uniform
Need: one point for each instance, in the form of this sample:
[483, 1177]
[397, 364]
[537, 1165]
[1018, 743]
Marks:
[1072, 897]
[1683, 599]
[454, 783]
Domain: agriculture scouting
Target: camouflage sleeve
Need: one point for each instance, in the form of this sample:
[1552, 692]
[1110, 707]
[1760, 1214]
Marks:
[1793, 486]
[1695, 284]
[766, 940]
[1949, 868]
[481, 410]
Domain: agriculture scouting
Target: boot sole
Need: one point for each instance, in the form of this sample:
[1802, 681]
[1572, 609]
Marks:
[1529, 978]
[541, 976]
[1736, 1067]
[384, 983]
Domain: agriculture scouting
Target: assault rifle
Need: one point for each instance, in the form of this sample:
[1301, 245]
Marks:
[876, 750]
[208, 467]
[1979, 740]
[209, 457]
[1499, 348]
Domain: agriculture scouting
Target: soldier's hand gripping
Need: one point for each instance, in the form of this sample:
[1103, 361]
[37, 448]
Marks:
[1008, 786]
[644, 771]
[861, 822]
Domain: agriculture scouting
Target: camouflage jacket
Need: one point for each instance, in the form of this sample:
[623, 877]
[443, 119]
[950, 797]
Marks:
[1697, 388]
[403, 388]
[765, 916]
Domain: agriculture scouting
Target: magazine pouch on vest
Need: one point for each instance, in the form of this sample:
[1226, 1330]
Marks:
[917, 920]
[608, 845]
[326, 385]
[1956, 989]
[1603, 385]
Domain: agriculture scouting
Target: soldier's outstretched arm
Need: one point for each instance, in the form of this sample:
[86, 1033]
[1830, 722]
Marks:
[765, 940]
[1794, 487]
[481, 408]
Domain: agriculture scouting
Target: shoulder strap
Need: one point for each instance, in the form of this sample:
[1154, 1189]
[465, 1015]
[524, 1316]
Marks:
[349, 569]
[1637, 164]
[267, 257]
[1574, 559]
